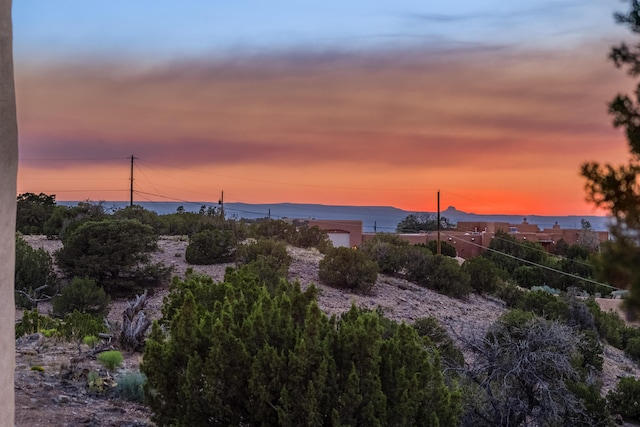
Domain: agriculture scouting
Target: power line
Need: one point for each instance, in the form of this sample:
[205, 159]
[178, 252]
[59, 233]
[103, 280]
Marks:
[75, 159]
[540, 265]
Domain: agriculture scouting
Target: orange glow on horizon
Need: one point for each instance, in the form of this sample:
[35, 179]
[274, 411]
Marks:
[495, 138]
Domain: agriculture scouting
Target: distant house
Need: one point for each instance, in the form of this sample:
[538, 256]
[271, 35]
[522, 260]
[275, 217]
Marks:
[470, 238]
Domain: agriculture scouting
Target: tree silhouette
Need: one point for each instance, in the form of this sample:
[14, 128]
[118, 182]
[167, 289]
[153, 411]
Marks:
[617, 188]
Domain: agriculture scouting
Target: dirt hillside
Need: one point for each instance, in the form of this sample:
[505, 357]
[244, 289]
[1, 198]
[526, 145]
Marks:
[58, 394]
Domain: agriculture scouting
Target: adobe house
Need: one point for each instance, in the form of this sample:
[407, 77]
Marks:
[470, 238]
[342, 232]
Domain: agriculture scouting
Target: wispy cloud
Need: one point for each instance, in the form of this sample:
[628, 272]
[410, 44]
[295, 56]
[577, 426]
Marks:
[397, 111]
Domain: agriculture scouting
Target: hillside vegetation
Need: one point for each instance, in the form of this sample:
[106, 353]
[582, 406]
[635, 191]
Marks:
[276, 306]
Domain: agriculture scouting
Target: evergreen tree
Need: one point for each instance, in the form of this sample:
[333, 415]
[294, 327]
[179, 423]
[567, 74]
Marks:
[617, 188]
[236, 353]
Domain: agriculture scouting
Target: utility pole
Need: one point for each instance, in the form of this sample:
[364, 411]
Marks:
[131, 188]
[438, 247]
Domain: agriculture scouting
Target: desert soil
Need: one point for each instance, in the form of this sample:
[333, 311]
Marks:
[58, 395]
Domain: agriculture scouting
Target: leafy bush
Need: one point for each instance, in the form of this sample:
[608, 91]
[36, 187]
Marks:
[277, 250]
[301, 236]
[625, 399]
[448, 278]
[32, 211]
[590, 350]
[527, 276]
[430, 328]
[483, 274]
[83, 295]
[34, 274]
[422, 221]
[348, 268]
[440, 273]
[272, 229]
[115, 253]
[268, 271]
[33, 322]
[139, 213]
[388, 251]
[110, 359]
[632, 348]
[90, 340]
[418, 264]
[76, 325]
[211, 247]
[544, 304]
[446, 249]
[509, 293]
[235, 354]
[64, 220]
[130, 386]
[96, 383]
[310, 237]
[609, 325]
[579, 316]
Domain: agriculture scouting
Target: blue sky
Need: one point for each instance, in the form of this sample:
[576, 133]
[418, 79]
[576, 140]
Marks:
[166, 29]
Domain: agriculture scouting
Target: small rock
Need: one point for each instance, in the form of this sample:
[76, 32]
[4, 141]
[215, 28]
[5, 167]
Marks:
[63, 398]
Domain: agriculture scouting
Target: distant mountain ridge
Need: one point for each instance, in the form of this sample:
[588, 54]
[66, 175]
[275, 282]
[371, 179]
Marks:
[374, 218]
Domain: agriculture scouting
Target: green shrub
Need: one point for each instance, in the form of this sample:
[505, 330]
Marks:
[609, 325]
[84, 295]
[580, 316]
[595, 405]
[388, 251]
[33, 322]
[111, 359]
[590, 350]
[64, 220]
[511, 323]
[431, 328]
[76, 325]
[509, 293]
[211, 247]
[96, 383]
[34, 274]
[348, 268]
[268, 271]
[90, 340]
[625, 399]
[440, 273]
[310, 237]
[32, 211]
[235, 354]
[115, 253]
[527, 276]
[544, 304]
[418, 264]
[272, 229]
[130, 386]
[446, 249]
[139, 213]
[483, 274]
[277, 250]
[632, 349]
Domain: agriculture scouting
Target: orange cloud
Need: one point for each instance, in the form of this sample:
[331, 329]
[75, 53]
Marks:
[505, 130]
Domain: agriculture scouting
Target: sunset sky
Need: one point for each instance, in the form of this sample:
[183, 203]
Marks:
[495, 103]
